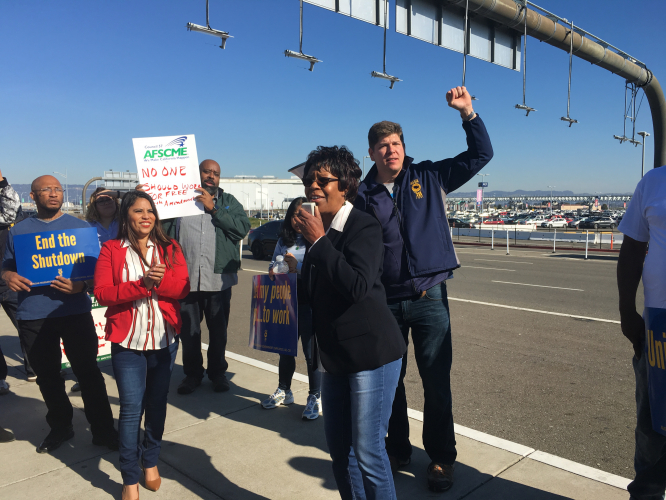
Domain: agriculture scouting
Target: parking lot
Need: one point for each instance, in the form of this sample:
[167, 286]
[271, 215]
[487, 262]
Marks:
[539, 358]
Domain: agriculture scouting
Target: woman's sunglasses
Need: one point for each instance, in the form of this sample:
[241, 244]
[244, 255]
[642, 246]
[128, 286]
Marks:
[322, 182]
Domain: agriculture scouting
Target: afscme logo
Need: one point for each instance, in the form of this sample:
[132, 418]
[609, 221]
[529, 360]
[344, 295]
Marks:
[178, 141]
[169, 152]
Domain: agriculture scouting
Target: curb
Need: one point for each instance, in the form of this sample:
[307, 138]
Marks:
[503, 444]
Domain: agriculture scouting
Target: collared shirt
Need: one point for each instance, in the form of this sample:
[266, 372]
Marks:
[339, 220]
[197, 239]
[105, 235]
[149, 330]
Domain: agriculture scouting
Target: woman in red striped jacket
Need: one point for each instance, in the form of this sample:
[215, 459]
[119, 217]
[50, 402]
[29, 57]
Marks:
[140, 276]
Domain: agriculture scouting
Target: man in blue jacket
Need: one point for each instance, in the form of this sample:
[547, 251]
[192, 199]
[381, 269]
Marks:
[408, 199]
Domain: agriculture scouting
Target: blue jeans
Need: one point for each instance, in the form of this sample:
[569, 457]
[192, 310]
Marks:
[358, 407]
[650, 455]
[215, 307]
[287, 364]
[428, 318]
[143, 384]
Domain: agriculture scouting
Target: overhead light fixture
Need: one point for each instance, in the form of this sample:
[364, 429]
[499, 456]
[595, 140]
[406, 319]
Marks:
[568, 118]
[392, 79]
[210, 31]
[300, 55]
[383, 74]
[524, 106]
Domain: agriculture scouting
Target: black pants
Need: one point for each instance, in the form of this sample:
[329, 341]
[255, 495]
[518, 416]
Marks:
[42, 341]
[9, 301]
[215, 306]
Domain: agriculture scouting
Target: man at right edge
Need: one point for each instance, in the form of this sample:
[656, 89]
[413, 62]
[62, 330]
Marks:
[408, 199]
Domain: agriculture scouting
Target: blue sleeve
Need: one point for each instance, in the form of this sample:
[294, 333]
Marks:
[454, 172]
[9, 261]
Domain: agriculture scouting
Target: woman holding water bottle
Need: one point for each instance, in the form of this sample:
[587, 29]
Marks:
[288, 257]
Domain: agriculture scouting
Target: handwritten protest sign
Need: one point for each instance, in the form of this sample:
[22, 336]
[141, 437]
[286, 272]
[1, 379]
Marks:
[168, 168]
[70, 253]
[103, 345]
[274, 325]
[655, 352]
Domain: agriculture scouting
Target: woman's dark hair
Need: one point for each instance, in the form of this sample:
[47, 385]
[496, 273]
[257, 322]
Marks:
[157, 235]
[287, 233]
[92, 215]
[340, 162]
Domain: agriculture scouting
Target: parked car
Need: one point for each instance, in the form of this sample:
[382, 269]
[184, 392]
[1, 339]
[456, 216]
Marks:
[598, 223]
[455, 222]
[262, 239]
[493, 220]
[575, 222]
[555, 221]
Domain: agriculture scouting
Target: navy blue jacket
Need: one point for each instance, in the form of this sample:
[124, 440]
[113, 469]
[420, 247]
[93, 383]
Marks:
[418, 251]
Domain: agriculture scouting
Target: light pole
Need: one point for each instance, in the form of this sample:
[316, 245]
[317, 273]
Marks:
[551, 199]
[248, 202]
[66, 192]
[261, 205]
[364, 165]
[643, 135]
[483, 178]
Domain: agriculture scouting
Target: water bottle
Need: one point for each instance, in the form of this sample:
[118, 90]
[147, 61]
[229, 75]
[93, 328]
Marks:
[280, 267]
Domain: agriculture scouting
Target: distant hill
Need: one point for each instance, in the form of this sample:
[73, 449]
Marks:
[521, 192]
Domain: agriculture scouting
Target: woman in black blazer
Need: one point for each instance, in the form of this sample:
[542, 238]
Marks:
[358, 342]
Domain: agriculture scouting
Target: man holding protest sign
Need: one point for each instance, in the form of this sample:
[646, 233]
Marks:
[53, 244]
[212, 274]
[407, 199]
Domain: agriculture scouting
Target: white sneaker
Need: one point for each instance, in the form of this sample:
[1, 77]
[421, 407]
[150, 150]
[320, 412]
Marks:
[4, 387]
[279, 397]
[312, 408]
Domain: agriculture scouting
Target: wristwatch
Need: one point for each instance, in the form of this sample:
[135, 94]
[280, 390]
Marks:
[469, 116]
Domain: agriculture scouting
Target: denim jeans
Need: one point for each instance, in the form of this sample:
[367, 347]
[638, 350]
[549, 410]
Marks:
[650, 455]
[428, 318]
[42, 341]
[287, 364]
[215, 307]
[143, 385]
[9, 301]
[358, 407]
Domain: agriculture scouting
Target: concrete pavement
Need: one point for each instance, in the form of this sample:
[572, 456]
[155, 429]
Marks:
[226, 446]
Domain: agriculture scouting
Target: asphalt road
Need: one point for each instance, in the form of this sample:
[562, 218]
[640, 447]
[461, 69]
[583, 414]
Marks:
[558, 384]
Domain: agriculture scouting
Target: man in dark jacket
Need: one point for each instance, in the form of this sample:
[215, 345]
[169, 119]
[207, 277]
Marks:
[407, 198]
[210, 243]
[10, 214]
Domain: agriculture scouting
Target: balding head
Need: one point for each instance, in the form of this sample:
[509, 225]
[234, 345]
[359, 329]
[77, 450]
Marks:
[210, 176]
[44, 181]
[48, 194]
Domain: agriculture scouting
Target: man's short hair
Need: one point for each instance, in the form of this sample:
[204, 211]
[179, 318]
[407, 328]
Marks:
[382, 129]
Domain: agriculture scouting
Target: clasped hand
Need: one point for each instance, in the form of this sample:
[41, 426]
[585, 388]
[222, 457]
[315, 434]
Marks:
[154, 276]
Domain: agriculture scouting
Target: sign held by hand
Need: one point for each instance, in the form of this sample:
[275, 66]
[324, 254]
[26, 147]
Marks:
[168, 168]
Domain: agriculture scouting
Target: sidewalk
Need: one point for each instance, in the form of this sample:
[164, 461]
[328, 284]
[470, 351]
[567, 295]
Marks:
[226, 446]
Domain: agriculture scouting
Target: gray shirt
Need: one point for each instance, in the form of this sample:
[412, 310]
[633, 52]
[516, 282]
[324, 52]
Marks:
[197, 238]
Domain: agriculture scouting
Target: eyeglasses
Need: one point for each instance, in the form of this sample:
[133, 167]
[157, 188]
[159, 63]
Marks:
[322, 182]
[50, 190]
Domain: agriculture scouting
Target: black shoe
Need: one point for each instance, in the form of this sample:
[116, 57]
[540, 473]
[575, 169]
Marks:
[396, 463]
[76, 387]
[6, 436]
[188, 385]
[220, 383]
[55, 439]
[440, 477]
[108, 439]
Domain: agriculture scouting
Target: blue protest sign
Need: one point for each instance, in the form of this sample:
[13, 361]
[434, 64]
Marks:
[274, 323]
[655, 345]
[70, 253]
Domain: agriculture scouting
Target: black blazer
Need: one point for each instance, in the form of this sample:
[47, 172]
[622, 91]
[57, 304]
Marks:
[354, 328]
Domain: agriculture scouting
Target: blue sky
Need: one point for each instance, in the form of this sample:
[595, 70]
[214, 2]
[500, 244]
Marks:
[80, 79]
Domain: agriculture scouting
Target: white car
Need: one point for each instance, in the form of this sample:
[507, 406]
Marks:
[555, 222]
